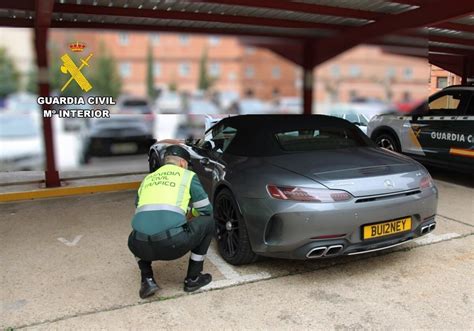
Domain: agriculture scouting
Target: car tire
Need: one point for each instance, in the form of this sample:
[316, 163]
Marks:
[231, 232]
[85, 159]
[154, 162]
[388, 141]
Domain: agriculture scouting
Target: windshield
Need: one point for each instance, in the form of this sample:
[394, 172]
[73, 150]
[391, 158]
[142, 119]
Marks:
[17, 127]
[318, 139]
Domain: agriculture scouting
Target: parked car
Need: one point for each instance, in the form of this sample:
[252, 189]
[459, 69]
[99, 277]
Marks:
[118, 135]
[290, 105]
[440, 131]
[169, 103]
[141, 108]
[21, 146]
[253, 106]
[306, 186]
[24, 103]
[352, 115]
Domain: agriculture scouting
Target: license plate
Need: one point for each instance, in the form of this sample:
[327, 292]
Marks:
[124, 148]
[387, 228]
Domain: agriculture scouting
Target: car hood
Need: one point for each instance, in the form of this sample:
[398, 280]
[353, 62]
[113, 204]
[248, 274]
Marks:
[360, 171]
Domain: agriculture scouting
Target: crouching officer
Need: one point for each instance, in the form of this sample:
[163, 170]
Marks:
[162, 228]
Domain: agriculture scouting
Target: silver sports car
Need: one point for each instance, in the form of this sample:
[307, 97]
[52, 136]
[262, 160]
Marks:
[305, 187]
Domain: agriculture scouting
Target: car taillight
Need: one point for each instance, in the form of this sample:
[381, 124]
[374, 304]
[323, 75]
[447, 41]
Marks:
[426, 182]
[307, 194]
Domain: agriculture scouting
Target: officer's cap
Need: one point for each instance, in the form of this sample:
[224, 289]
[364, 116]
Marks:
[178, 151]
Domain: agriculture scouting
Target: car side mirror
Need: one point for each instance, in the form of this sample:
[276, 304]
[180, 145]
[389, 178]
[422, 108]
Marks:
[189, 141]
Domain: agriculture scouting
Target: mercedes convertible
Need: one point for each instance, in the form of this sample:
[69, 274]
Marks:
[306, 187]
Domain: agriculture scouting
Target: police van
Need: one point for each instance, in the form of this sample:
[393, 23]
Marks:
[438, 132]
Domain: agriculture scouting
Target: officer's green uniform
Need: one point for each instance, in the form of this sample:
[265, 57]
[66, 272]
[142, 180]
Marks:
[160, 230]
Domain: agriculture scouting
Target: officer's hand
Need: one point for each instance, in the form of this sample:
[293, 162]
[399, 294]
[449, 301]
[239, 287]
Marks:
[189, 215]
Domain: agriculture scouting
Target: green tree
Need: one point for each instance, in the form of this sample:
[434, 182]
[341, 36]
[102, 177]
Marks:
[104, 75]
[205, 81]
[9, 75]
[32, 81]
[150, 80]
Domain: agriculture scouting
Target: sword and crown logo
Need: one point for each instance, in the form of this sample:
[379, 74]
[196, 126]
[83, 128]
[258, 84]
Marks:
[69, 67]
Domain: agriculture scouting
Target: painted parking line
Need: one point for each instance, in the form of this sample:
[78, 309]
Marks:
[224, 268]
[232, 277]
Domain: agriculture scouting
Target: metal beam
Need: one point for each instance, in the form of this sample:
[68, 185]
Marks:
[451, 40]
[42, 22]
[437, 12]
[191, 16]
[300, 7]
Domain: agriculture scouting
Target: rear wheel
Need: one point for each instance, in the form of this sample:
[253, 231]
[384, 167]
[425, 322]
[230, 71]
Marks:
[154, 162]
[388, 141]
[232, 237]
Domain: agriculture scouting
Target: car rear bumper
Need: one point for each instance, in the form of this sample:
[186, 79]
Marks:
[291, 230]
[119, 146]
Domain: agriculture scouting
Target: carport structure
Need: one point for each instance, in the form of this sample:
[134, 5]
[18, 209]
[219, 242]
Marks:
[306, 32]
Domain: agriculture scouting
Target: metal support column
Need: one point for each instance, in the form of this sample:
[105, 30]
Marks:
[308, 79]
[51, 174]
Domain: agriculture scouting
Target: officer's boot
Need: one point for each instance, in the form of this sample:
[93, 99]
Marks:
[148, 285]
[195, 279]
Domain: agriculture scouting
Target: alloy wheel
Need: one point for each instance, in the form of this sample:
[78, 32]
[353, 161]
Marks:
[227, 226]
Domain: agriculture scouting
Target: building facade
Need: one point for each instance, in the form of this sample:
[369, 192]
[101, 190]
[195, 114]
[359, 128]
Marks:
[364, 71]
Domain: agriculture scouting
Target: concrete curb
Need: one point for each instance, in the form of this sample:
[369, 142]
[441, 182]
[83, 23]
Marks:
[67, 191]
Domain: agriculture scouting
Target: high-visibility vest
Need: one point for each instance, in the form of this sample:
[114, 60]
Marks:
[168, 188]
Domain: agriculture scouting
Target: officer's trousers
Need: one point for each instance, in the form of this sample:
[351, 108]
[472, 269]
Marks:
[196, 237]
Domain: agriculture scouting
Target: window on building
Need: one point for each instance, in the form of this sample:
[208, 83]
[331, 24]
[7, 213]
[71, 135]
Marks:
[157, 69]
[214, 69]
[125, 69]
[408, 73]
[214, 40]
[183, 39]
[441, 82]
[249, 72]
[123, 38]
[354, 71]
[184, 69]
[335, 71]
[276, 73]
[155, 38]
[232, 76]
[390, 72]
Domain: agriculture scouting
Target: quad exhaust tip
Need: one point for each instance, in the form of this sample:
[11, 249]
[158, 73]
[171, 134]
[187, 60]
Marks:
[322, 251]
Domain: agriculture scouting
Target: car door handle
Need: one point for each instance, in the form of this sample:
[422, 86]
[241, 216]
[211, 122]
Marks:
[204, 161]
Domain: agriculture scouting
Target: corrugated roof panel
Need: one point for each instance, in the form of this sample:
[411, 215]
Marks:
[379, 6]
[210, 8]
[449, 33]
[235, 28]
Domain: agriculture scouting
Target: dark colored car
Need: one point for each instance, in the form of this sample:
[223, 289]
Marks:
[118, 135]
[306, 186]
